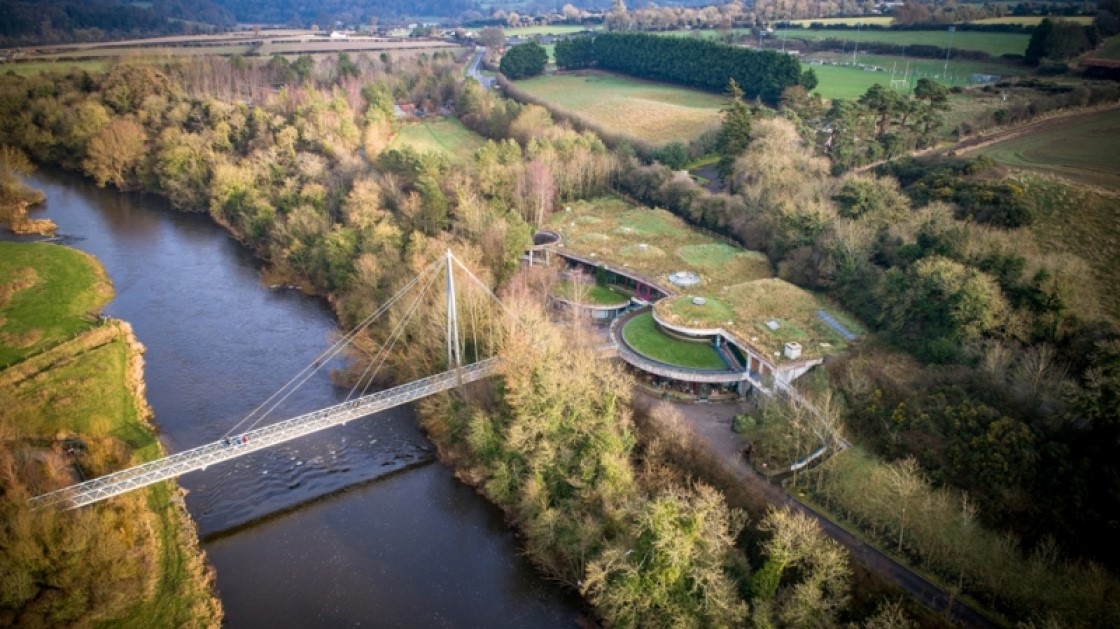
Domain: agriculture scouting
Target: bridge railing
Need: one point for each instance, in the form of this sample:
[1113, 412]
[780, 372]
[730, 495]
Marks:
[208, 454]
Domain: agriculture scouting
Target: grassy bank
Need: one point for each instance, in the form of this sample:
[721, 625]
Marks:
[47, 294]
[75, 410]
[1083, 222]
[642, 334]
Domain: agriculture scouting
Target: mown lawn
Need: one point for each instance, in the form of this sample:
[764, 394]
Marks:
[642, 335]
[958, 71]
[591, 294]
[657, 113]
[845, 82]
[995, 44]
[47, 294]
[446, 136]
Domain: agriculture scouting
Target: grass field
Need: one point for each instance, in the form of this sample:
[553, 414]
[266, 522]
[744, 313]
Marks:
[882, 20]
[46, 294]
[643, 336]
[38, 67]
[653, 112]
[446, 136]
[1110, 49]
[1080, 148]
[959, 71]
[551, 29]
[1032, 20]
[845, 82]
[995, 44]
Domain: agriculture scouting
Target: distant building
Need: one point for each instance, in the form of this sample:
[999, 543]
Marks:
[338, 35]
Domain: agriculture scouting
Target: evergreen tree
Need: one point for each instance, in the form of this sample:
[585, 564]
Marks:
[573, 53]
[524, 60]
[736, 132]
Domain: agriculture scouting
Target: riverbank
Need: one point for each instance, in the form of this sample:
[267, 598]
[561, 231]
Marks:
[72, 405]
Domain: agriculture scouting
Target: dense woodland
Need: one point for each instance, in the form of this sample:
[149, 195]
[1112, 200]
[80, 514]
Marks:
[327, 12]
[31, 22]
[699, 63]
[992, 377]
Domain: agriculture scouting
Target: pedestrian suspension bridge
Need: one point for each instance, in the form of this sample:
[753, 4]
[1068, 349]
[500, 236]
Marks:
[248, 436]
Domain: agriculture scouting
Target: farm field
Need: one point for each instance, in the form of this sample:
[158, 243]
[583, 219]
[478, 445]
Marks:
[38, 67]
[311, 47]
[1110, 49]
[883, 20]
[1032, 20]
[652, 112]
[995, 44]
[133, 52]
[446, 136]
[551, 29]
[1080, 148]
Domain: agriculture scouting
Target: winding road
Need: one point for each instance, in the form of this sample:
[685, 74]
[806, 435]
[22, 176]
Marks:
[474, 69]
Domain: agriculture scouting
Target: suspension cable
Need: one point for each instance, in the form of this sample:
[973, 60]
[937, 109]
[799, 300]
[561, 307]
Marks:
[394, 335]
[384, 308]
[305, 374]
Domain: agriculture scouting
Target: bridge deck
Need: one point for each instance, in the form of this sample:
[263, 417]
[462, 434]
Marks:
[260, 438]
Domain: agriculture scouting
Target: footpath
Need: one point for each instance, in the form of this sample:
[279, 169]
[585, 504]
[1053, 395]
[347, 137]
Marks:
[711, 423]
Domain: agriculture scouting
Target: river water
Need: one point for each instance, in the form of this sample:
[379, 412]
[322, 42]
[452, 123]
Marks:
[355, 526]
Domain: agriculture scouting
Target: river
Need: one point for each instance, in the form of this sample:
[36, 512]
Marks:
[355, 526]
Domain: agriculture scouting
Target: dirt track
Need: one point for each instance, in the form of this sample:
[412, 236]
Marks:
[997, 135]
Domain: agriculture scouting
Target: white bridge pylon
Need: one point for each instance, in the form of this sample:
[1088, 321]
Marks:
[256, 439]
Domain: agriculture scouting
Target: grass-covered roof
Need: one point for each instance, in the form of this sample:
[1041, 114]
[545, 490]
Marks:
[740, 293]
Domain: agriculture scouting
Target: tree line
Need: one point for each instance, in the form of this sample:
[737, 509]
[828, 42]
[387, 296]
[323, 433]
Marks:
[77, 20]
[698, 63]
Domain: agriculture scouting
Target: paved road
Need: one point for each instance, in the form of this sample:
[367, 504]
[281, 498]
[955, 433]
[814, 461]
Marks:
[474, 67]
[713, 428]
